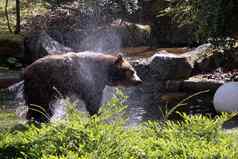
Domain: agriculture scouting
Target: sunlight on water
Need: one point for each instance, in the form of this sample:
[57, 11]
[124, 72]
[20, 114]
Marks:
[135, 110]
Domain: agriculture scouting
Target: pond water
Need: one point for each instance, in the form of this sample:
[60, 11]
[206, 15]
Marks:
[137, 110]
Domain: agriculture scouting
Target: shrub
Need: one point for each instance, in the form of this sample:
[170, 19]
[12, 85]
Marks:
[211, 19]
[106, 136]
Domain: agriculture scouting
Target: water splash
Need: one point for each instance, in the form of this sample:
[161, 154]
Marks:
[59, 110]
[135, 110]
[108, 93]
[13, 95]
[107, 41]
[59, 107]
[21, 111]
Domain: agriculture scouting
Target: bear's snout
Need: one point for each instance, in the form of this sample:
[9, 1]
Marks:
[136, 80]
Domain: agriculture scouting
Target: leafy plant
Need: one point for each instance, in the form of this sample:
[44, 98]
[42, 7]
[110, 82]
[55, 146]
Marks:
[101, 137]
[210, 19]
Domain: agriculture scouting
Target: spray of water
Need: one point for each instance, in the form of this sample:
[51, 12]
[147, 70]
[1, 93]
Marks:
[16, 92]
[58, 107]
[106, 40]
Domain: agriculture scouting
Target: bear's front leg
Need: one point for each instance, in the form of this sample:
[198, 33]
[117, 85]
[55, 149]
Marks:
[93, 102]
[38, 113]
[38, 107]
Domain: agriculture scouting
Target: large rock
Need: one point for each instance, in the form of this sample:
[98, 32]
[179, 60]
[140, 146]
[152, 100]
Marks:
[117, 35]
[169, 67]
[103, 39]
[205, 58]
[163, 66]
[41, 44]
[195, 84]
[178, 66]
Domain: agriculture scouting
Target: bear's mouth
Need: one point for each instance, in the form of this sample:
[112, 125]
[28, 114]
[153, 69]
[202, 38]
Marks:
[138, 82]
[126, 83]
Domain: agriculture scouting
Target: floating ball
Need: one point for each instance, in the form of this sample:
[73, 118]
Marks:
[226, 98]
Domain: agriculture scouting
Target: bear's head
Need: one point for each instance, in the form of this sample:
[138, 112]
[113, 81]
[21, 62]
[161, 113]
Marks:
[121, 73]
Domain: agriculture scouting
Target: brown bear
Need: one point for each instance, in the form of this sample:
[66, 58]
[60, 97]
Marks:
[83, 74]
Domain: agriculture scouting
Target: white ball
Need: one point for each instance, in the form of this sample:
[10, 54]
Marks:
[226, 97]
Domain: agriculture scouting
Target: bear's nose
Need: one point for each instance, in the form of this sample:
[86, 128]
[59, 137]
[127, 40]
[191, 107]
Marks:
[138, 82]
[136, 79]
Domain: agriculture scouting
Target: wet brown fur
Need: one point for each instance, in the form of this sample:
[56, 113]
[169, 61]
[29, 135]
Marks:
[83, 74]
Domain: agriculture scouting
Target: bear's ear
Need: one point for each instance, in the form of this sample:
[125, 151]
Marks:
[119, 60]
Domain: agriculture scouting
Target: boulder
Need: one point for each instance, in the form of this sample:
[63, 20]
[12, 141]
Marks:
[196, 84]
[108, 38]
[177, 65]
[41, 44]
[119, 34]
[205, 58]
[70, 39]
[166, 66]
[142, 68]
[162, 66]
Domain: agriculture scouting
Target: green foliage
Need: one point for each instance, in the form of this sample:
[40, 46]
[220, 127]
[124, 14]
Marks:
[10, 63]
[101, 6]
[88, 14]
[7, 119]
[105, 136]
[210, 18]
[29, 8]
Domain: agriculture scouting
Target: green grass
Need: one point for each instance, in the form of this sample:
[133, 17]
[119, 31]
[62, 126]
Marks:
[106, 137]
[8, 119]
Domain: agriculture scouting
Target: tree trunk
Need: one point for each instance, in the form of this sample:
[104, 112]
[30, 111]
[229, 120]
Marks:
[18, 17]
[7, 17]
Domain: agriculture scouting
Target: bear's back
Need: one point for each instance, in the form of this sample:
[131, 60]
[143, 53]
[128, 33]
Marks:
[69, 70]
